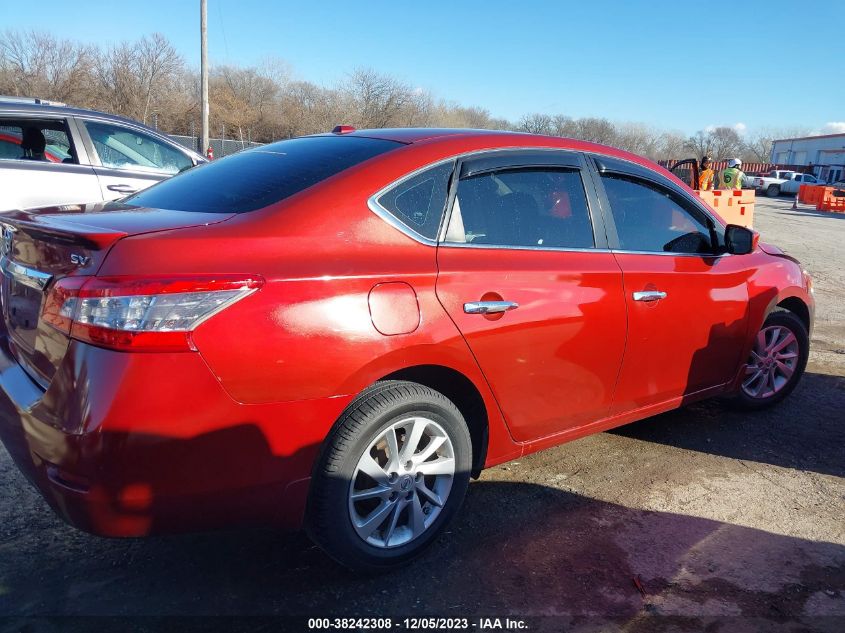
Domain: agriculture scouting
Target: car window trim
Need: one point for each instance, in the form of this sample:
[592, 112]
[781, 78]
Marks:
[638, 172]
[572, 160]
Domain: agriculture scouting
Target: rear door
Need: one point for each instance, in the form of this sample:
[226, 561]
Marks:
[687, 303]
[127, 159]
[533, 288]
[60, 175]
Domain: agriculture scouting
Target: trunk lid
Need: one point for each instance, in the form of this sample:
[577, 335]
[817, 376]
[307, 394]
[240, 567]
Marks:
[38, 247]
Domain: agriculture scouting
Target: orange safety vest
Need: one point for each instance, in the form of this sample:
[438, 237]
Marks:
[705, 179]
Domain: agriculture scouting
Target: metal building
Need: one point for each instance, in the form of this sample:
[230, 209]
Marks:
[826, 154]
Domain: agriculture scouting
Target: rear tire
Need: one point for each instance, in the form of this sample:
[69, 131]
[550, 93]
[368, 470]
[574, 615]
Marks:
[776, 363]
[377, 500]
[773, 191]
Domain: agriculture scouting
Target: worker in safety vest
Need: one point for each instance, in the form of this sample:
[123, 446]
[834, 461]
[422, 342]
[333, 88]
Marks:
[732, 176]
[707, 175]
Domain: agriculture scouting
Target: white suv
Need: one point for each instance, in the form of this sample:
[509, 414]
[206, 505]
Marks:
[51, 154]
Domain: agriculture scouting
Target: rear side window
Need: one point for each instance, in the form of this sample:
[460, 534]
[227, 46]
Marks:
[418, 202]
[256, 178]
[527, 207]
[33, 140]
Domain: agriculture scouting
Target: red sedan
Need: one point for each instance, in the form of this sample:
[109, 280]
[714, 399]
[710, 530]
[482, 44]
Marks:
[339, 331]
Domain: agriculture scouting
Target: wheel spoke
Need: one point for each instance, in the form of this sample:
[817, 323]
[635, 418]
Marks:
[394, 519]
[417, 517]
[442, 466]
[373, 520]
[371, 493]
[747, 384]
[392, 449]
[786, 355]
[770, 382]
[788, 340]
[413, 439]
[433, 445]
[372, 469]
[785, 370]
[429, 494]
[760, 345]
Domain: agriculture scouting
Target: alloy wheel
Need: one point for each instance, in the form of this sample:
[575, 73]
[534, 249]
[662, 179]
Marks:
[772, 362]
[401, 482]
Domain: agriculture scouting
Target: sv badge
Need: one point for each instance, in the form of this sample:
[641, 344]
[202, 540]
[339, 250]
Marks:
[79, 260]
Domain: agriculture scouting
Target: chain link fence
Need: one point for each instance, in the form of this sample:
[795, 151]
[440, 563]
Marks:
[221, 146]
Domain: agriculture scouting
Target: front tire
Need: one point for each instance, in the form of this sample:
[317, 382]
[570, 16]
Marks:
[392, 474]
[776, 363]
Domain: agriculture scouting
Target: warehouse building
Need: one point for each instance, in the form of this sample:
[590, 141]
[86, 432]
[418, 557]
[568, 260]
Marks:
[824, 154]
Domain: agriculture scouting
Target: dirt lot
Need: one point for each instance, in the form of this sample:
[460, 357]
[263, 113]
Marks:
[736, 521]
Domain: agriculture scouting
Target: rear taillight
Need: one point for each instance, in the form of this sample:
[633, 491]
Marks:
[138, 313]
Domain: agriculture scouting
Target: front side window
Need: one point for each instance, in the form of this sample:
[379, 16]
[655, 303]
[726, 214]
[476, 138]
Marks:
[123, 148]
[651, 219]
[526, 207]
[418, 202]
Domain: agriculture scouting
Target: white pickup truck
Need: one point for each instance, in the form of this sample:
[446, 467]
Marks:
[779, 181]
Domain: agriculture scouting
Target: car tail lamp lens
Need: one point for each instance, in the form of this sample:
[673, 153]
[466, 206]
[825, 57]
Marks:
[132, 313]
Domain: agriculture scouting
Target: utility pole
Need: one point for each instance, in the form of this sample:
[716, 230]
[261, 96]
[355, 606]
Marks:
[204, 142]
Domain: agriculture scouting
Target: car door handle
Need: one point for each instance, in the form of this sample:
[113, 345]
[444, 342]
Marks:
[649, 295]
[122, 188]
[489, 307]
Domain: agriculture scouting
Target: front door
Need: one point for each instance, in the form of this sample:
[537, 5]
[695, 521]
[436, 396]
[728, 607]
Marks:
[687, 303]
[687, 171]
[537, 296]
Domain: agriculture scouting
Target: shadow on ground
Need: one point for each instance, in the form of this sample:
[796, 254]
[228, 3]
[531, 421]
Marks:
[806, 431]
[515, 549]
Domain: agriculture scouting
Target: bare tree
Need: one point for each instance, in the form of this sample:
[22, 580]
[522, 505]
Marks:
[133, 77]
[537, 124]
[375, 100]
[37, 64]
[156, 63]
[726, 142]
[758, 143]
[699, 144]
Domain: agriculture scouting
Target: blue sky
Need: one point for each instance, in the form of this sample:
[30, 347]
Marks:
[667, 63]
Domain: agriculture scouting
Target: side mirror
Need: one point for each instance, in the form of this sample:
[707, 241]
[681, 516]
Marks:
[740, 240]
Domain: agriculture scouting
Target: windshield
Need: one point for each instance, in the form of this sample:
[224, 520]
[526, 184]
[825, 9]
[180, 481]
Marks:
[256, 178]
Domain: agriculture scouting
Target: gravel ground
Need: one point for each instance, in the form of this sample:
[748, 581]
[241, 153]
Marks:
[699, 518]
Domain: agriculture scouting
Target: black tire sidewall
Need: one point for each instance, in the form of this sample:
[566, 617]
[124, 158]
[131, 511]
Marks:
[339, 539]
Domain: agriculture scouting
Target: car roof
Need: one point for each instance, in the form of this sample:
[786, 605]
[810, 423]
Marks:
[417, 134]
[55, 108]
[15, 106]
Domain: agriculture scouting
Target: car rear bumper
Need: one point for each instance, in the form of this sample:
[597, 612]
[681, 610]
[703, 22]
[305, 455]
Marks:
[134, 444]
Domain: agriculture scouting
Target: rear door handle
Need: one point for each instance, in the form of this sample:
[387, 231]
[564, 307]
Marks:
[649, 295]
[489, 307]
[122, 188]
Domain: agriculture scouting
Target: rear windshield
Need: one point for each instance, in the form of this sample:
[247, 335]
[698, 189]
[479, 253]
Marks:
[259, 177]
